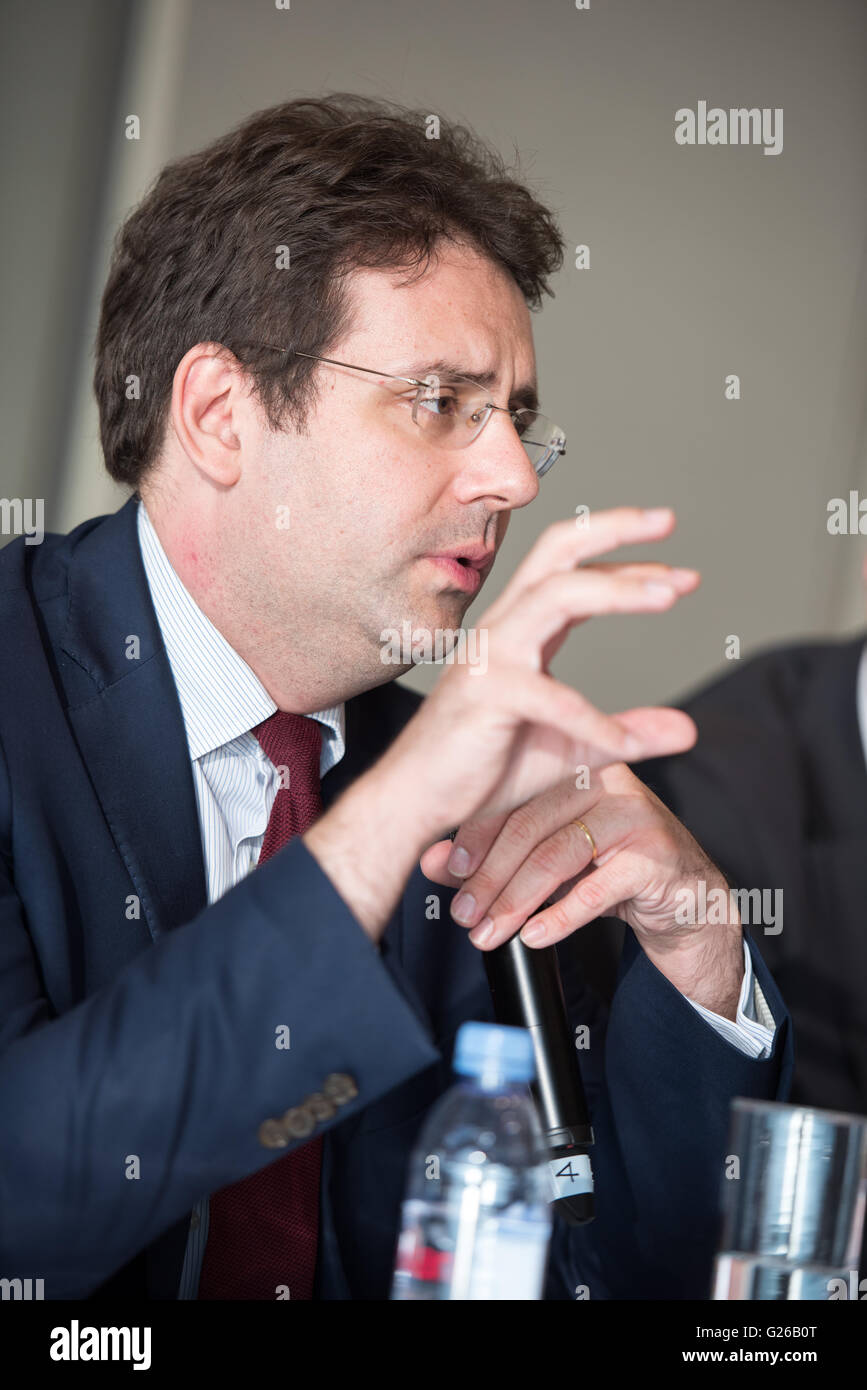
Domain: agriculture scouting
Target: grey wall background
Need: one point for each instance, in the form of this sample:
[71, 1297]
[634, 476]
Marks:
[704, 261]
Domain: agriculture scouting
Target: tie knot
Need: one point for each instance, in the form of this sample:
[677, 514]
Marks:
[293, 741]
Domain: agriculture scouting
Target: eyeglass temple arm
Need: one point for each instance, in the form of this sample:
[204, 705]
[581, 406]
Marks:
[334, 363]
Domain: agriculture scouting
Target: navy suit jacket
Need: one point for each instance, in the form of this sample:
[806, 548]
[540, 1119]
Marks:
[135, 1019]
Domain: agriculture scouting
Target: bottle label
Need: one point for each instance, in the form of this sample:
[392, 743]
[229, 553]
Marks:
[570, 1176]
[508, 1261]
[497, 1255]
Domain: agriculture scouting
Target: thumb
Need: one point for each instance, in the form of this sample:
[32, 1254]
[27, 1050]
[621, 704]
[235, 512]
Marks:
[433, 864]
[659, 730]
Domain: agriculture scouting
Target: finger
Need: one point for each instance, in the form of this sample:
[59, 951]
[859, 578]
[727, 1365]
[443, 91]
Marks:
[576, 733]
[584, 736]
[683, 580]
[499, 844]
[500, 847]
[536, 698]
[555, 861]
[433, 864]
[661, 730]
[564, 545]
[563, 600]
[642, 569]
[656, 731]
[508, 837]
[444, 863]
[597, 894]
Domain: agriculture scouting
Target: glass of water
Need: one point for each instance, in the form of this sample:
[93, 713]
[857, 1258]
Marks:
[793, 1203]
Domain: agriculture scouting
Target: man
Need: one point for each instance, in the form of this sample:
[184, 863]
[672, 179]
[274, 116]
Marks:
[315, 370]
[775, 791]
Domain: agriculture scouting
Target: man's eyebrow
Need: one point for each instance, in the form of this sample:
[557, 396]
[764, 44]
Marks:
[525, 395]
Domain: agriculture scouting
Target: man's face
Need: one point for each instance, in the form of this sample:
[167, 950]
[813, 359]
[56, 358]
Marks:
[370, 497]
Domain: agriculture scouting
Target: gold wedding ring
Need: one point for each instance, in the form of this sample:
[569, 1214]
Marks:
[590, 840]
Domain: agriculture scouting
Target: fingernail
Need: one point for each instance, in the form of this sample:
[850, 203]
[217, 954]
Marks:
[632, 747]
[534, 932]
[658, 591]
[480, 934]
[459, 862]
[463, 907]
[656, 515]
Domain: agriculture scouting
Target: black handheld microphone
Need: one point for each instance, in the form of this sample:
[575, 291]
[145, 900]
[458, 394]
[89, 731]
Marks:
[527, 992]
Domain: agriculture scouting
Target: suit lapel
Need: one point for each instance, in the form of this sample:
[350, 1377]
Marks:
[129, 727]
[128, 723]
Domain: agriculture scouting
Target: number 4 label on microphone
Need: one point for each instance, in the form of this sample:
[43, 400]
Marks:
[570, 1177]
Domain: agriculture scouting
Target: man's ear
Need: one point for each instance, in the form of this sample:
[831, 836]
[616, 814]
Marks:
[207, 397]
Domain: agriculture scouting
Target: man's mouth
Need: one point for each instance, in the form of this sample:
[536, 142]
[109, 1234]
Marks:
[462, 574]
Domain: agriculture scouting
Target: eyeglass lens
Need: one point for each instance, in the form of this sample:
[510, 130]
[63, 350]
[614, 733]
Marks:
[452, 414]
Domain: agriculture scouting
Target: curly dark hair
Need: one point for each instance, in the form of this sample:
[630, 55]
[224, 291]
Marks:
[343, 181]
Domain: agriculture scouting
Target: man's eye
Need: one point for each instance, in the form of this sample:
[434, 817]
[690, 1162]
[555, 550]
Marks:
[445, 403]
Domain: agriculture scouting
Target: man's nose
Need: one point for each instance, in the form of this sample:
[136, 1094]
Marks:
[496, 464]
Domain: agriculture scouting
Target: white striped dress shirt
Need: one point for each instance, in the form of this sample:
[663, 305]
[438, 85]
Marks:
[235, 783]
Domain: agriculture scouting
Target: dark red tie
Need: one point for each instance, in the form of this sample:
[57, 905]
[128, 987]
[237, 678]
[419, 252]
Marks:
[262, 1231]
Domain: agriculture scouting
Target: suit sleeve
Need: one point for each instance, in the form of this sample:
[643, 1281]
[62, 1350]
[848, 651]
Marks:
[118, 1114]
[661, 1081]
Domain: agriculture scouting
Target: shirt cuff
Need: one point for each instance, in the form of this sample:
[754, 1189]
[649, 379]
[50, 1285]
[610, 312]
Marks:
[753, 1031]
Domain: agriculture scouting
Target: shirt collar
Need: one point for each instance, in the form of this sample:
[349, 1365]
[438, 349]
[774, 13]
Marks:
[220, 696]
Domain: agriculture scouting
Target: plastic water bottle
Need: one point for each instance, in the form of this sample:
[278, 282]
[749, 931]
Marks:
[476, 1219]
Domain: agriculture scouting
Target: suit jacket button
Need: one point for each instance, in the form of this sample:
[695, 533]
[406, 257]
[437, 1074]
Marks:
[272, 1135]
[320, 1108]
[299, 1122]
[340, 1087]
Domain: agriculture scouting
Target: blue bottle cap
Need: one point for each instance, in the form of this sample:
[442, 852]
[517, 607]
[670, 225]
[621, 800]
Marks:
[492, 1049]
